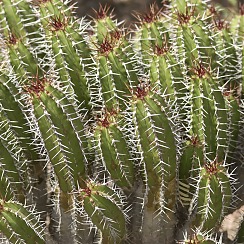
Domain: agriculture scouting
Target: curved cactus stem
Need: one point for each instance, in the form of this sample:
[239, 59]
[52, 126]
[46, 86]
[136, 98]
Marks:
[9, 99]
[8, 232]
[113, 150]
[11, 184]
[13, 19]
[13, 157]
[62, 115]
[102, 206]
[52, 145]
[58, 27]
[22, 222]
[214, 193]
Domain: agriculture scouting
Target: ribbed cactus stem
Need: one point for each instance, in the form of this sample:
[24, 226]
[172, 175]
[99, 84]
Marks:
[20, 221]
[213, 182]
[118, 136]
[102, 206]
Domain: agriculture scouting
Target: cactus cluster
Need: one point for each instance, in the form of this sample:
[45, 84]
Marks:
[116, 136]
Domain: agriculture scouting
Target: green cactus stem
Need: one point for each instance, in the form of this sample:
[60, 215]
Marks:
[117, 135]
[20, 221]
[102, 205]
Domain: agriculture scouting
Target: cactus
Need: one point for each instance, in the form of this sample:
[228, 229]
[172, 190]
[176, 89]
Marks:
[107, 137]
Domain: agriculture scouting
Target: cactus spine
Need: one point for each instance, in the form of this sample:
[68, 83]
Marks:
[127, 137]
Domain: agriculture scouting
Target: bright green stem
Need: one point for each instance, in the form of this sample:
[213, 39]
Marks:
[115, 154]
